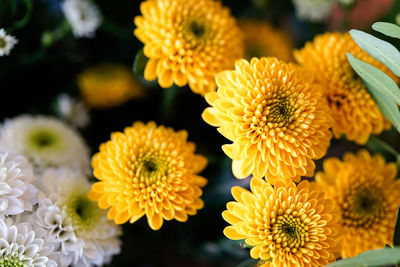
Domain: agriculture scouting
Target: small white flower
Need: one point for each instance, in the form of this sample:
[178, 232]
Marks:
[72, 110]
[21, 245]
[83, 15]
[84, 235]
[314, 10]
[46, 142]
[17, 194]
[7, 43]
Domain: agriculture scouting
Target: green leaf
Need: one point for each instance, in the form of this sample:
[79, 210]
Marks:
[389, 29]
[396, 234]
[377, 145]
[22, 22]
[378, 257]
[139, 63]
[376, 78]
[386, 105]
[378, 49]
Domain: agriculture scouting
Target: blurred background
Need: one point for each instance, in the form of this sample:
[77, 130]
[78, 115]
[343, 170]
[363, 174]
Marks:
[48, 60]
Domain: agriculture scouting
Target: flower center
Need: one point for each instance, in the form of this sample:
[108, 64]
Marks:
[198, 29]
[82, 211]
[289, 231]
[151, 169]
[281, 111]
[275, 113]
[363, 207]
[8, 261]
[43, 138]
[336, 99]
[82, 15]
[195, 32]
[3, 43]
[150, 166]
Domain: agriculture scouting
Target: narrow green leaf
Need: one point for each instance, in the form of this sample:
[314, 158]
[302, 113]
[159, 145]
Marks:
[396, 234]
[378, 49]
[389, 29]
[378, 257]
[377, 145]
[139, 63]
[376, 78]
[22, 22]
[169, 98]
[386, 105]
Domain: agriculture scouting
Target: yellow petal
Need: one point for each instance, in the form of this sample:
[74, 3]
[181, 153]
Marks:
[122, 217]
[150, 72]
[231, 233]
[165, 78]
[155, 221]
[208, 116]
[137, 216]
[240, 170]
[230, 218]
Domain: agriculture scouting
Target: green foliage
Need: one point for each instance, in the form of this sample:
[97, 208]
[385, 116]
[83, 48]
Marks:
[372, 258]
[378, 49]
[382, 88]
[376, 78]
[376, 145]
[22, 22]
[139, 63]
[18, 13]
[386, 94]
[387, 106]
[388, 29]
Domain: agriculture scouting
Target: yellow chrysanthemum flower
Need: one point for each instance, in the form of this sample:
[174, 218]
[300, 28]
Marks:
[355, 112]
[276, 117]
[188, 42]
[285, 224]
[148, 170]
[108, 85]
[261, 39]
[363, 188]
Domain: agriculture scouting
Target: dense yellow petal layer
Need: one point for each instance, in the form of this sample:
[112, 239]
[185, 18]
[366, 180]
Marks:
[285, 224]
[355, 112]
[148, 170]
[276, 116]
[188, 42]
[362, 186]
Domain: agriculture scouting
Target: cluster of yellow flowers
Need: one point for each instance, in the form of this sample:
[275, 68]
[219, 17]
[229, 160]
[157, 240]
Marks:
[279, 117]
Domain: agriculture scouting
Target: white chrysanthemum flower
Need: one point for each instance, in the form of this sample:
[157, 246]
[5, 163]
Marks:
[73, 110]
[21, 246]
[7, 43]
[46, 142]
[83, 15]
[17, 194]
[314, 10]
[84, 234]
